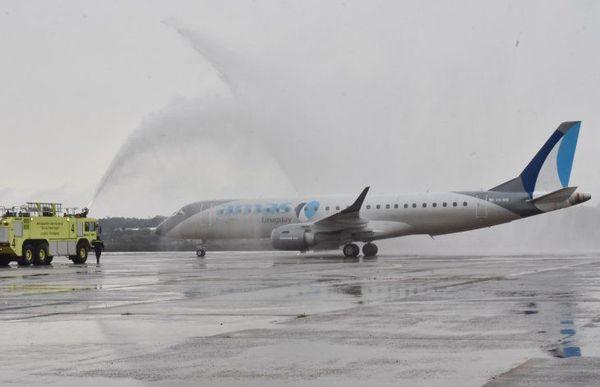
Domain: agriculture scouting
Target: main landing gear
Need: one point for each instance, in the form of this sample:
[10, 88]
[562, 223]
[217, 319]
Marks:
[352, 250]
[370, 249]
[201, 252]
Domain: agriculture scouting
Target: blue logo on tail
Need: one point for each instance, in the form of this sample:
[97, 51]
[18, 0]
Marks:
[566, 154]
[550, 169]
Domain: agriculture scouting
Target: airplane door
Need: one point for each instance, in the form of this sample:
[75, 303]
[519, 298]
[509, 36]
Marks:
[481, 206]
[206, 215]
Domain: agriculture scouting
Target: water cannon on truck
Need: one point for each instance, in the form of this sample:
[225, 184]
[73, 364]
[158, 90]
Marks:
[33, 234]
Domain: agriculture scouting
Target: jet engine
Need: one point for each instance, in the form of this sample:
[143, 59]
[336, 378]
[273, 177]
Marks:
[292, 237]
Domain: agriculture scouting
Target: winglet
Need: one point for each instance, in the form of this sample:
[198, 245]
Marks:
[355, 207]
[348, 218]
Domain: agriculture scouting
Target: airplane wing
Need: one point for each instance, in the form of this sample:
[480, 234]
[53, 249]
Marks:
[346, 219]
[347, 225]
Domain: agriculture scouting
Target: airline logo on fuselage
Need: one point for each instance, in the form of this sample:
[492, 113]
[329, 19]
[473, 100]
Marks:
[304, 211]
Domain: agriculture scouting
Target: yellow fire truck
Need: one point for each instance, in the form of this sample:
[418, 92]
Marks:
[37, 232]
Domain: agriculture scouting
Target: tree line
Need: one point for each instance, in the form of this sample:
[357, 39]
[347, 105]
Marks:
[137, 234]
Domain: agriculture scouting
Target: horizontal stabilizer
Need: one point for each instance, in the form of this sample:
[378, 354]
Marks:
[558, 196]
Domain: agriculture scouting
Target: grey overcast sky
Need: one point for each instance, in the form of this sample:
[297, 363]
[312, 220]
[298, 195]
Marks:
[193, 100]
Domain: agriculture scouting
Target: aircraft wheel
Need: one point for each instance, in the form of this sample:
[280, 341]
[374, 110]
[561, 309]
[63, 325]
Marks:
[351, 250]
[370, 250]
[201, 252]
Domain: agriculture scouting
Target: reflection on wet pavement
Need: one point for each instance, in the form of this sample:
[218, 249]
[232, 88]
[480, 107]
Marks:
[268, 319]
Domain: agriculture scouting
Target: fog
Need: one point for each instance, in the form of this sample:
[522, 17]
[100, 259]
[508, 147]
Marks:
[282, 98]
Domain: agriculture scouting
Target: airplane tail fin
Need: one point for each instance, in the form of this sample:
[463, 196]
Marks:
[550, 169]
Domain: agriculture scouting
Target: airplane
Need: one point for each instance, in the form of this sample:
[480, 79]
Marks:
[328, 223]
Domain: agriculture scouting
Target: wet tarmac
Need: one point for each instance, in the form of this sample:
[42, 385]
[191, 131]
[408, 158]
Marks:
[272, 319]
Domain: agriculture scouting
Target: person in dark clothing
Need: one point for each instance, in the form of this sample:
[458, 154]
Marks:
[98, 250]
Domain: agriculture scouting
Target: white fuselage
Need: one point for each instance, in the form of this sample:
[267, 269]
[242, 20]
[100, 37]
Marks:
[390, 216]
[329, 222]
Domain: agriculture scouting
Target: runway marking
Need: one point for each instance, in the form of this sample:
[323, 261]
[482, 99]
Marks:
[45, 288]
[523, 273]
[92, 307]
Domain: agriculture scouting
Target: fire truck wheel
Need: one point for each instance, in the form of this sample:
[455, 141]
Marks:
[4, 261]
[82, 253]
[41, 254]
[28, 255]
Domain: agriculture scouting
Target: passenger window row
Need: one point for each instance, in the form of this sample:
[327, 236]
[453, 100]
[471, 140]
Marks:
[248, 210]
[337, 208]
[414, 205]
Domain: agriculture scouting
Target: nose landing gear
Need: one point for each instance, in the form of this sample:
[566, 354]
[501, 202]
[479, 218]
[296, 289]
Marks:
[201, 252]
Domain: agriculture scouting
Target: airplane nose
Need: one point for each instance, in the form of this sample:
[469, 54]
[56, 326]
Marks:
[163, 228]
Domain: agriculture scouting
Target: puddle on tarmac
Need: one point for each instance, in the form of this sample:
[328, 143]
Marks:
[353, 290]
